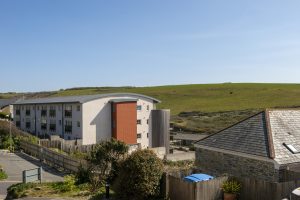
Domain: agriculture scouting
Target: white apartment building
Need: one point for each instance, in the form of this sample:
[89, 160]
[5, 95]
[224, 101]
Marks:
[90, 118]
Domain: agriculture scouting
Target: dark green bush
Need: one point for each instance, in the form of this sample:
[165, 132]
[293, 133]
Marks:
[140, 176]
[83, 175]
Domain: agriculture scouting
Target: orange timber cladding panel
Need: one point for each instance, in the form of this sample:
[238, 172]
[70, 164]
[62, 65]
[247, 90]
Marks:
[124, 119]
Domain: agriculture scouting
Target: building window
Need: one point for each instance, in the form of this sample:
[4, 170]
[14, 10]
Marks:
[78, 124]
[147, 121]
[68, 111]
[44, 124]
[148, 107]
[44, 111]
[68, 127]
[139, 107]
[18, 124]
[139, 121]
[139, 135]
[52, 111]
[52, 125]
[59, 122]
[78, 108]
[27, 112]
[18, 112]
[147, 135]
[28, 124]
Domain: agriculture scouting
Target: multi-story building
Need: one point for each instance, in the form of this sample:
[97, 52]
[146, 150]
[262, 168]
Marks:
[90, 118]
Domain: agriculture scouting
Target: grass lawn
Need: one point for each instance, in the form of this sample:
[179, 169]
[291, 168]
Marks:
[54, 190]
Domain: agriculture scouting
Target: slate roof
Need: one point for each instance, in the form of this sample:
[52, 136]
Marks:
[248, 136]
[81, 99]
[6, 102]
[262, 134]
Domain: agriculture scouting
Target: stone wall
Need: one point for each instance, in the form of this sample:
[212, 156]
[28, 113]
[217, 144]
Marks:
[217, 163]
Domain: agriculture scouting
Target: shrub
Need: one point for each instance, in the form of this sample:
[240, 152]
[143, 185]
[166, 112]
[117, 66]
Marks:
[192, 148]
[105, 158]
[19, 190]
[83, 175]
[68, 184]
[231, 186]
[3, 175]
[140, 176]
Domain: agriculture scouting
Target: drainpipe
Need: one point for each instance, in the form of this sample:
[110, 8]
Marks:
[35, 120]
[62, 121]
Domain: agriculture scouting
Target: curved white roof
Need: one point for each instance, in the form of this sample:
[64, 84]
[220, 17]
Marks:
[82, 99]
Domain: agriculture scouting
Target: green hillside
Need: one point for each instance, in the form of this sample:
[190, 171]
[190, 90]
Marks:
[205, 107]
[210, 97]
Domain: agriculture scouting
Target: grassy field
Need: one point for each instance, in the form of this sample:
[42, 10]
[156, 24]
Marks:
[205, 98]
[210, 97]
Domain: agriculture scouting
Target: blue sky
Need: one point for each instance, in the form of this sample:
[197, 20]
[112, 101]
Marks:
[53, 44]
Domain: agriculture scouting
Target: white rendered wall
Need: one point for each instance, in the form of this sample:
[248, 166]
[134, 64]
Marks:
[97, 120]
[144, 128]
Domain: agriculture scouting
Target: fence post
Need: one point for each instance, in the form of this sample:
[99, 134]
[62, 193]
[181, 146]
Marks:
[41, 154]
[24, 176]
[40, 170]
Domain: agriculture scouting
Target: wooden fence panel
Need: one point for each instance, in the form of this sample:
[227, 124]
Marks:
[51, 157]
[210, 190]
[179, 189]
[261, 190]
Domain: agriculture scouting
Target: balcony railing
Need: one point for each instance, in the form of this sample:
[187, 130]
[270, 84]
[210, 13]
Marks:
[52, 113]
[68, 113]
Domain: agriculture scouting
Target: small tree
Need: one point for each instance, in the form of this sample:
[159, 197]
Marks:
[140, 176]
[104, 159]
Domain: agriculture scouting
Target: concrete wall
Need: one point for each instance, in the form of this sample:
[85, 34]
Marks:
[159, 151]
[218, 163]
[181, 156]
